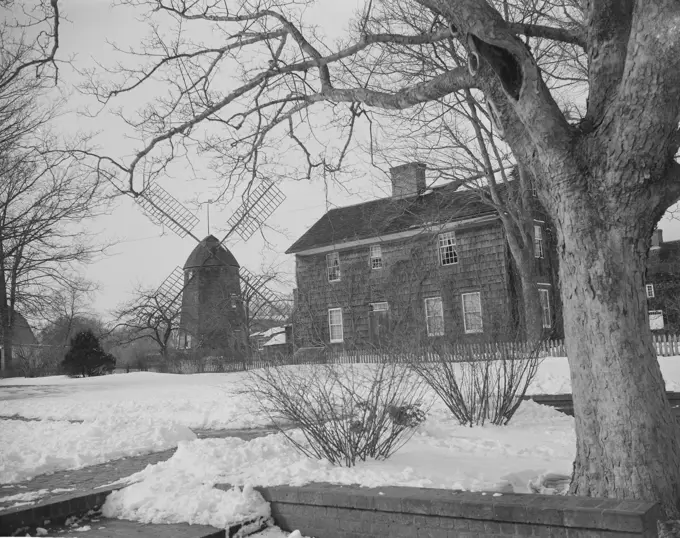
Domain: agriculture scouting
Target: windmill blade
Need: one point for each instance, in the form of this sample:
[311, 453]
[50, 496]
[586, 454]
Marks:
[255, 210]
[267, 303]
[163, 208]
[171, 289]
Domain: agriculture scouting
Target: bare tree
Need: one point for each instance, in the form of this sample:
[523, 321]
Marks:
[30, 41]
[70, 302]
[148, 316]
[604, 180]
[44, 189]
[43, 200]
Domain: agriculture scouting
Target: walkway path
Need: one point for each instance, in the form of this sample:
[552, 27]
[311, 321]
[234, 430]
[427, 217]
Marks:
[55, 487]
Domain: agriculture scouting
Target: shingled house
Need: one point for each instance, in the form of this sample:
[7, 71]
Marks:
[662, 284]
[422, 265]
[22, 336]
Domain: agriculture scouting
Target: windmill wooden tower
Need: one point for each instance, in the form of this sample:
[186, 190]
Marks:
[208, 289]
[212, 315]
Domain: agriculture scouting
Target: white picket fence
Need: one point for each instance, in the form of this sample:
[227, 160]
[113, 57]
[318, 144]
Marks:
[665, 345]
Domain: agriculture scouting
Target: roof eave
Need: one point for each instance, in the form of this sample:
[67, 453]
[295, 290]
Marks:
[447, 226]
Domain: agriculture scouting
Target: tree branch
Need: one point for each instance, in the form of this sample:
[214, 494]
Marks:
[6, 79]
[640, 126]
[608, 23]
[433, 89]
[516, 72]
[548, 32]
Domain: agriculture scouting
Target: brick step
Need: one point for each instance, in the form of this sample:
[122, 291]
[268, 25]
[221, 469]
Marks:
[66, 517]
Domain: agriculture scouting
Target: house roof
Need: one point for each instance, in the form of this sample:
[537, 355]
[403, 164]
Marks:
[210, 252]
[22, 332]
[392, 215]
[269, 332]
[276, 340]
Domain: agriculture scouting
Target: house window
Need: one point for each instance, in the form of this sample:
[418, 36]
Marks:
[650, 291]
[434, 316]
[376, 257]
[187, 341]
[379, 323]
[260, 344]
[335, 324]
[656, 320]
[447, 248]
[544, 296]
[538, 241]
[333, 266]
[472, 312]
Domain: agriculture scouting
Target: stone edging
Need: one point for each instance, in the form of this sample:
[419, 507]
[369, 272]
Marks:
[333, 510]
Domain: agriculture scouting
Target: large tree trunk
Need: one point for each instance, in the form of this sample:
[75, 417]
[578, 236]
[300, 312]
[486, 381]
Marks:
[531, 302]
[627, 437]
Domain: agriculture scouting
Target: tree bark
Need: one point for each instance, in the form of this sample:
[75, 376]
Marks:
[526, 270]
[627, 436]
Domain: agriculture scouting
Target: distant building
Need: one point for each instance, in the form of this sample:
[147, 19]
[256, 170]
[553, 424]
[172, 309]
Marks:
[423, 265]
[22, 335]
[212, 318]
[276, 341]
[662, 284]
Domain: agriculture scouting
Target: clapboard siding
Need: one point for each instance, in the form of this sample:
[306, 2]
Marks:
[411, 272]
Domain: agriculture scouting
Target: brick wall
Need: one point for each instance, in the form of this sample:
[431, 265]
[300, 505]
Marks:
[332, 511]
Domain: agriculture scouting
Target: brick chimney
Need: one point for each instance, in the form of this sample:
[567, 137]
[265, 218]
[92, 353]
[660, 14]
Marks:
[657, 238]
[408, 179]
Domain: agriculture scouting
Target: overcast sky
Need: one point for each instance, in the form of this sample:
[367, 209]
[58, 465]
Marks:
[145, 254]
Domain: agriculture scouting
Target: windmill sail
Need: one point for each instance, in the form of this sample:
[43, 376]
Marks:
[164, 209]
[255, 210]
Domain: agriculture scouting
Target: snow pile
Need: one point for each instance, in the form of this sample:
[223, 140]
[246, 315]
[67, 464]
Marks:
[28, 449]
[185, 498]
[442, 454]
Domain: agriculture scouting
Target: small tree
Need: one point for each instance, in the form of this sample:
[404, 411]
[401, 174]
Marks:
[86, 356]
[148, 316]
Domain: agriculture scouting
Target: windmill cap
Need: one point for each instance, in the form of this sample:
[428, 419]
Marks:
[210, 252]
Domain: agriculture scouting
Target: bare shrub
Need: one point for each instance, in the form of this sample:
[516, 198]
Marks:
[480, 387]
[346, 413]
[37, 361]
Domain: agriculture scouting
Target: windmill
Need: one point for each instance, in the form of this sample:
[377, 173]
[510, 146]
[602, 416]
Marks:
[210, 253]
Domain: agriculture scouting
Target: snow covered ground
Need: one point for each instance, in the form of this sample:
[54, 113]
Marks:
[28, 449]
[442, 454]
[142, 412]
[197, 401]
